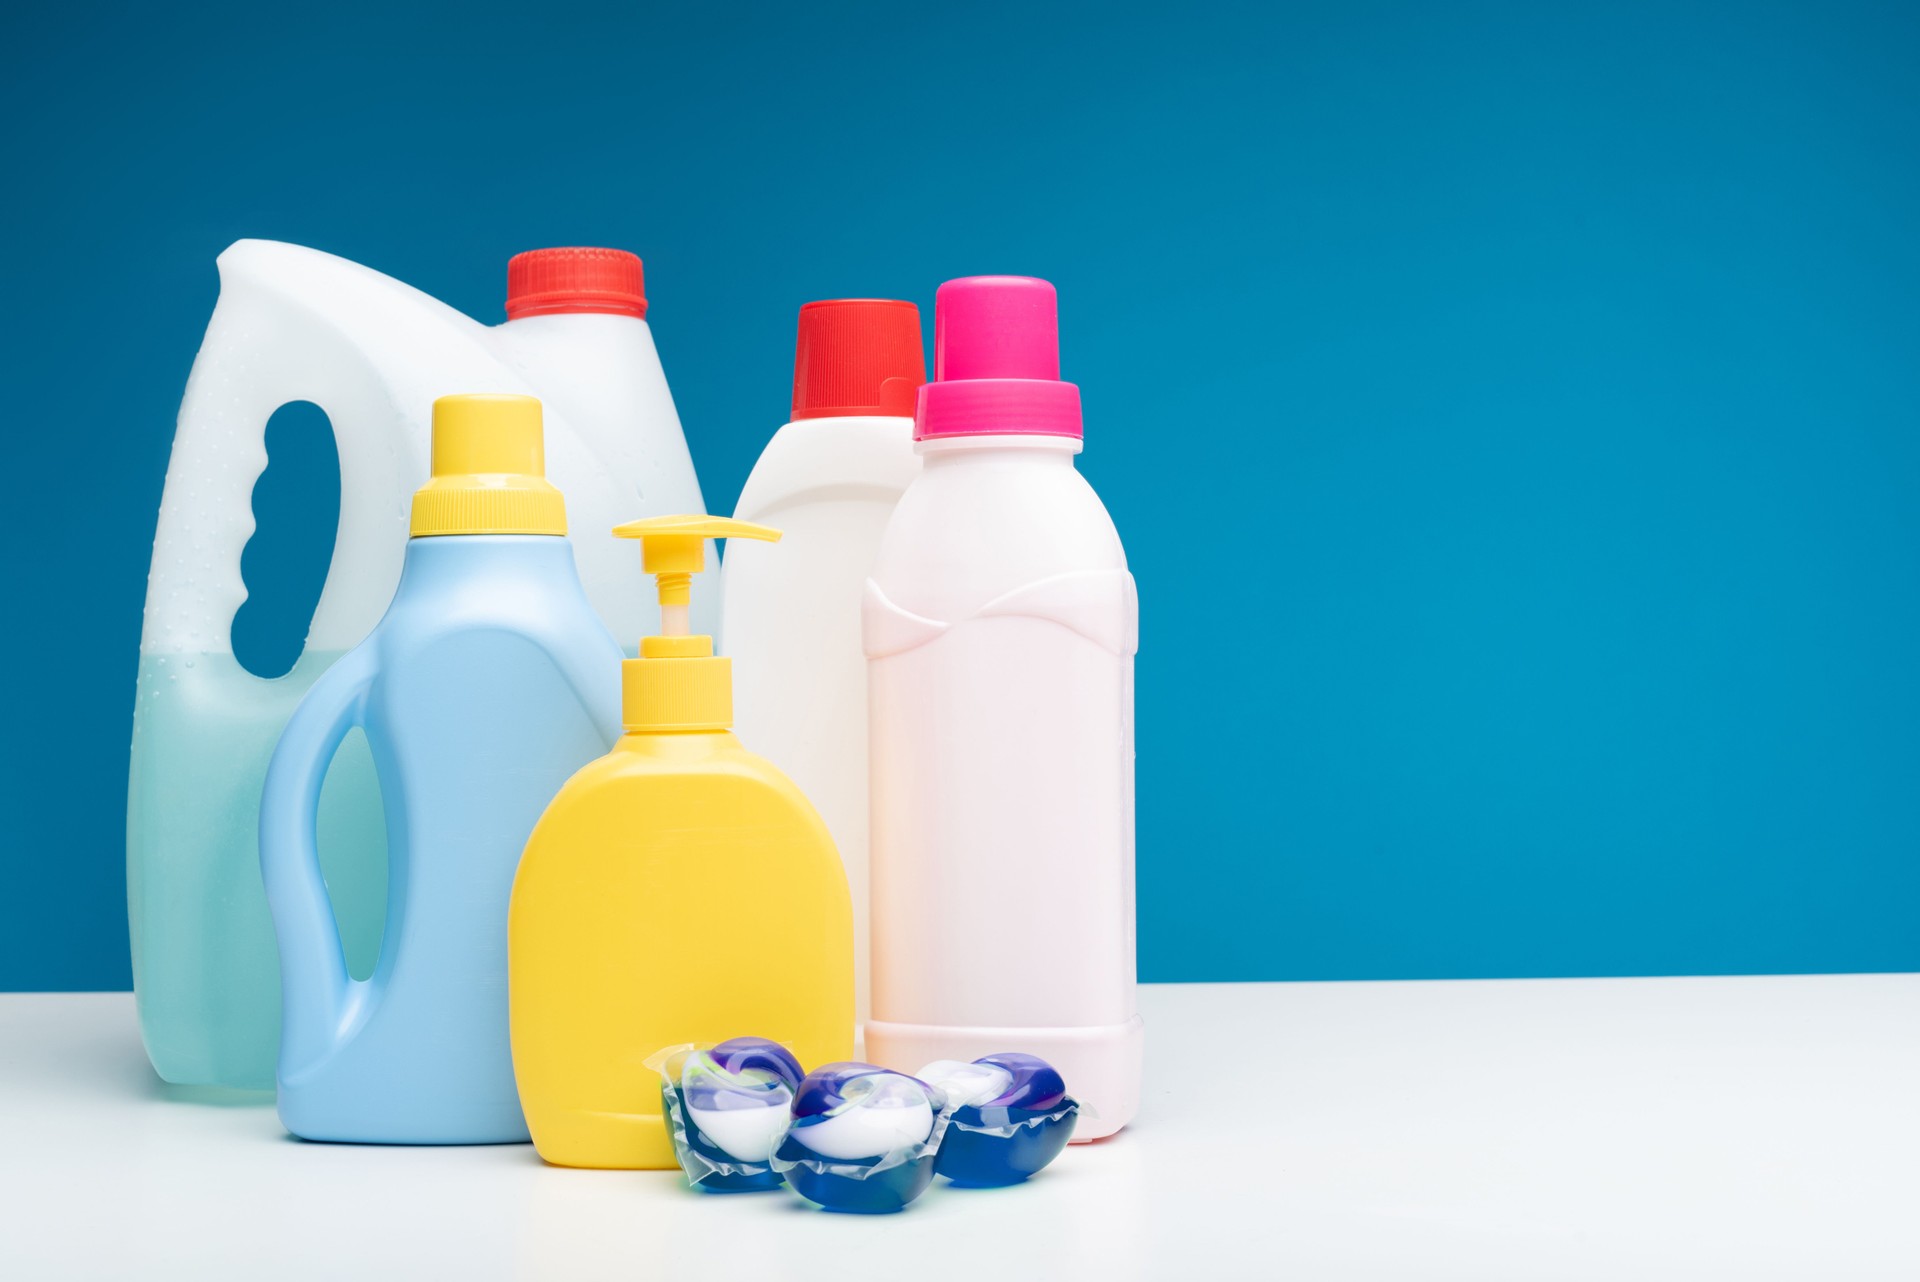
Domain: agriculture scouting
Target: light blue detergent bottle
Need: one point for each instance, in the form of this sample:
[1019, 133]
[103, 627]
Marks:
[489, 681]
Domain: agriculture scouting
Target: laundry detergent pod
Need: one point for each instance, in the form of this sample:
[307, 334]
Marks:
[742, 1054]
[863, 1138]
[728, 1108]
[1007, 1116]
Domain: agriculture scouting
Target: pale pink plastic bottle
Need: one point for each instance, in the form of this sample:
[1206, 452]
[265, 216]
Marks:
[1000, 625]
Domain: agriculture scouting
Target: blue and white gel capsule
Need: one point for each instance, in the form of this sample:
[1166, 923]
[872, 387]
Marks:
[1007, 1116]
[863, 1138]
[728, 1110]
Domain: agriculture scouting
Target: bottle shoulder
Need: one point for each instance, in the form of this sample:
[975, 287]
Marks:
[650, 797]
[510, 582]
[963, 536]
[1051, 506]
[670, 769]
[830, 460]
[491, 625]
[596, 367]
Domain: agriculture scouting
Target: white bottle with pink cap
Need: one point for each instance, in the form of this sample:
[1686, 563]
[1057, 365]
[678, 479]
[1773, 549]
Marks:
[1000, 625]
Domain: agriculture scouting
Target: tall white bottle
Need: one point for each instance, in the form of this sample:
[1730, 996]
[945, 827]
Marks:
[1000, 625]
[791, 615]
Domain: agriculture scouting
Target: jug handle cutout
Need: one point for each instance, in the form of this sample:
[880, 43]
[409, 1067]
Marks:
[288, 327]
[321, 1003]
[289, 552]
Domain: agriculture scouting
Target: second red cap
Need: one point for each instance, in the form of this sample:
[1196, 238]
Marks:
[546, 282]
[857, 356]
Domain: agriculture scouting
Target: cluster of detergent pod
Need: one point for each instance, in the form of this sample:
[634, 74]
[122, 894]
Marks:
[856, 1137]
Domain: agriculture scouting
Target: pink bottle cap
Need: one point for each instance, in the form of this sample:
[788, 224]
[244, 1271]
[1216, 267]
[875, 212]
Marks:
[996, 363]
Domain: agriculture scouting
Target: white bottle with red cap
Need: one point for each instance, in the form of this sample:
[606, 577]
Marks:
[829, 480]
[293, 324]
[1000, 624]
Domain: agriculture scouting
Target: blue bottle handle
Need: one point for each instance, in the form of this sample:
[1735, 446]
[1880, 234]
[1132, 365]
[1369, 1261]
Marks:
[321, 1004]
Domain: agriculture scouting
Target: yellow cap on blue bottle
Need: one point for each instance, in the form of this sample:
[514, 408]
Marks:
[489, 470]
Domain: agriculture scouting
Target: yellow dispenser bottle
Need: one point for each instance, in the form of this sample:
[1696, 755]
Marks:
[679, 889]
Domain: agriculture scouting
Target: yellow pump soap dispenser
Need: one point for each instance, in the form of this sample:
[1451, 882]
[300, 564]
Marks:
[679, 889]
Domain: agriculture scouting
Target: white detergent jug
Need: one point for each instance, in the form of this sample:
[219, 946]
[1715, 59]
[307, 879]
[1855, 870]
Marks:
[293, 324]
[828, 480]
[1000, 628]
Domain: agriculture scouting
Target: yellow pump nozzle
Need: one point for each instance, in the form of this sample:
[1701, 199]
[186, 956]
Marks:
[677, 683]
[677, 544]
[673, 548]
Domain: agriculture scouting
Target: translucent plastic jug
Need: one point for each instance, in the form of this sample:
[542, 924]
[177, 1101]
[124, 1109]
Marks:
[294, 324]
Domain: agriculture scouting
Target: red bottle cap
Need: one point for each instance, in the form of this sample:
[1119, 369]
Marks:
[857, 356]
[547, 282]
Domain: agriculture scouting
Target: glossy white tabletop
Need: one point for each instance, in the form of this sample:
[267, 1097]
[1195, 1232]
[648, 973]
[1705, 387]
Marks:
[1607, 1129]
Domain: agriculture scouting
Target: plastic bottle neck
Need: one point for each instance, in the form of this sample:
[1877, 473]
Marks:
[574, 322]
[532, 550]
[676, 686]
[677, 749]
[903, 422]
[948, 451]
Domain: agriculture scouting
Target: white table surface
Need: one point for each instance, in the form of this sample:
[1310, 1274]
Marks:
[1536, 1129]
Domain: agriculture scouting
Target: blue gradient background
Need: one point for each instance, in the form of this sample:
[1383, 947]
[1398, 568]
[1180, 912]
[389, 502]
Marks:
[1513, 411]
